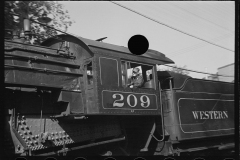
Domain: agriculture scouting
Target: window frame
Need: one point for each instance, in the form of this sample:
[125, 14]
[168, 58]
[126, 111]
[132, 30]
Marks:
[100, 69]
[86, 63]
[125, 74]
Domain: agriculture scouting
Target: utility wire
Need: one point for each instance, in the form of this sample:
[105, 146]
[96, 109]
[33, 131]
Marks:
[196, 46]
[171, 27]
[198, 71]
[202, 18]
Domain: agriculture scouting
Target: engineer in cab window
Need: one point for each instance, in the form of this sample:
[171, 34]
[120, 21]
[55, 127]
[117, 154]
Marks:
[136, 79]
[90, 77]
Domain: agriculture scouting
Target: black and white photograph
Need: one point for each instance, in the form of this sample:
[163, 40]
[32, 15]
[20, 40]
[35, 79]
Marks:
[116, 80]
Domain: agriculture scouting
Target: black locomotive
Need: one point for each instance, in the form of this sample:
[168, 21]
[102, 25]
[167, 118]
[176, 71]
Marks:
[71, 95]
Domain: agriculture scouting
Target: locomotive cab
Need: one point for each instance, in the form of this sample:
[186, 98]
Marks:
[107, 71]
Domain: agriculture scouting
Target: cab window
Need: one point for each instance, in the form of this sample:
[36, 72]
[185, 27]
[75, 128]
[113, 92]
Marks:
[89, 74]
[109, 74]
[144, 71]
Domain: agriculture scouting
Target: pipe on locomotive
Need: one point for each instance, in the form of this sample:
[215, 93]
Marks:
[145, 149]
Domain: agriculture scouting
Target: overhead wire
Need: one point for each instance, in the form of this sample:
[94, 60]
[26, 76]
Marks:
[178, 19]
[191, 22]
[171, 27]
[208, 9]
[175, 18]
[221, 8]
[196, 46]
[202, 18]
[201, 44]
[181, 32]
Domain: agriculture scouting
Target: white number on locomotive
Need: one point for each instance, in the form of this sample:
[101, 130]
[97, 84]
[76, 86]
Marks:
[119, 103]
[135, 100]
[116, 102]
[147, 102]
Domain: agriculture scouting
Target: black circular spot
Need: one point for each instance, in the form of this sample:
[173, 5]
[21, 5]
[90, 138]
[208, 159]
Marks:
[138, 44]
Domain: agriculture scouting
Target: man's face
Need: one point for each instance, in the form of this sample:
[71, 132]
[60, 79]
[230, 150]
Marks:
[134, 73]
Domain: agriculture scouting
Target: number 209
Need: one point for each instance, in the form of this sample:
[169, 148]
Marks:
[119, 103]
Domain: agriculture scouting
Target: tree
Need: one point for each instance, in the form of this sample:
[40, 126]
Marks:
[34, 10]
[175, 68]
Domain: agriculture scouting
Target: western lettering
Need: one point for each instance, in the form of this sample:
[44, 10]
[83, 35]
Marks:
[225, 113]
[215, 114]
[207, 114]
[204, 114]
[221, 116]
[201, 114]
[195, 114]
[210, 114]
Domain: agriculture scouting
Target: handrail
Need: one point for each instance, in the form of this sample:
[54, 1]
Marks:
[9, 48]
[14, 84]
[35, 58]
[42, 70]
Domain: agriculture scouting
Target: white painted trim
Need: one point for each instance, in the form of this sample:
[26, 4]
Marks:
[177, 91]
[199, 123]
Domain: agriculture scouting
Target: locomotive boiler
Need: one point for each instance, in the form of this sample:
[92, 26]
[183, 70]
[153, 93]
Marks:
[71, 96]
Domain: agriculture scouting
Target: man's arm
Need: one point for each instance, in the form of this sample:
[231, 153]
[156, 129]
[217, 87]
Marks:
[138, 82]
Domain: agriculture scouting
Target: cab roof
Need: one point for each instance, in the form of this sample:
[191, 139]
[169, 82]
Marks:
[96, 44]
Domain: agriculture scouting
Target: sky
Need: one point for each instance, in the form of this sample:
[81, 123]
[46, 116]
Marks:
[213, 21]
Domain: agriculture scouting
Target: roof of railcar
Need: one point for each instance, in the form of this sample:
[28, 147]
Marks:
[149, 54]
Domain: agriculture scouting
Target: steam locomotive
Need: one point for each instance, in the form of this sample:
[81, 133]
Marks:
[70, 95]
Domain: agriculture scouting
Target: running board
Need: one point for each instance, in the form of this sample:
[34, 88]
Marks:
[220, 147]
[226, 146]
[84, 146]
